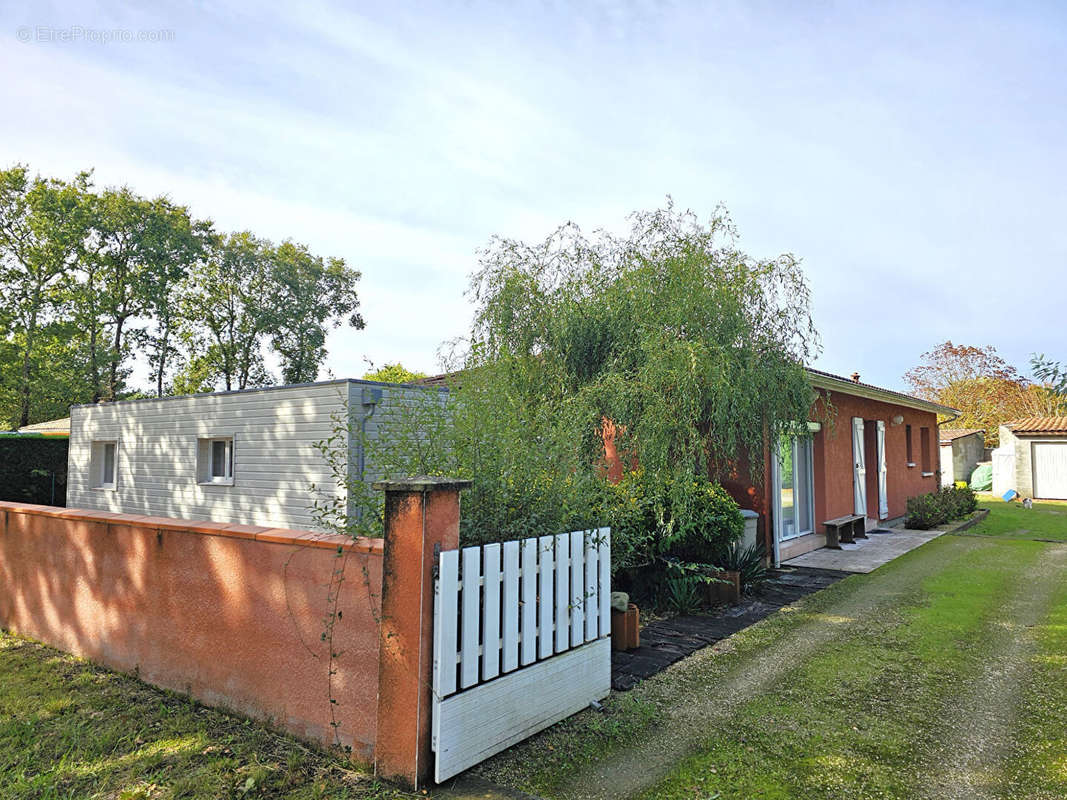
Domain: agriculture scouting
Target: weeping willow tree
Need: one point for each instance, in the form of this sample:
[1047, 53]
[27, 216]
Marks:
[688, 349]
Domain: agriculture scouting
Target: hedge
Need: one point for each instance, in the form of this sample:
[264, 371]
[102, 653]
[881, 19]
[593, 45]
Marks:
[33, 469]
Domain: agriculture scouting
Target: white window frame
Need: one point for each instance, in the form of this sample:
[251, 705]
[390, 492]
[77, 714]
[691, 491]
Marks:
[795, 442]
[98, 460]
[205, 460]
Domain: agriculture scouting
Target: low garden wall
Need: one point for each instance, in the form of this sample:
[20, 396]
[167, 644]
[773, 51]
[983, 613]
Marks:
[232, 615]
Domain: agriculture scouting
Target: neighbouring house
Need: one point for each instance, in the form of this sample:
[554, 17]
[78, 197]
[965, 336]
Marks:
[867, 450]
[53, 427]
[1032, 458]
[245, 456]
[961, 450]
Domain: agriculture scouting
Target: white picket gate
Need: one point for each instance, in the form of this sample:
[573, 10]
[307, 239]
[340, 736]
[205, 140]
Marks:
[521, 640]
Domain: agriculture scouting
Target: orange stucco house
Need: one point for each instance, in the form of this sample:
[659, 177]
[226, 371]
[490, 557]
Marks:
[874, 449]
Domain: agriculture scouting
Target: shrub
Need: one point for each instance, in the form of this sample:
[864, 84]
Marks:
[747, 561]
[927, 511]
[681, 518]
[706, 519]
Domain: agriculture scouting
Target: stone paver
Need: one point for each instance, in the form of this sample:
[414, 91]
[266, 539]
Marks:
[866, 555]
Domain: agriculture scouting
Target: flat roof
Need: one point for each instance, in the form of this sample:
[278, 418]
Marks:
[276, 388]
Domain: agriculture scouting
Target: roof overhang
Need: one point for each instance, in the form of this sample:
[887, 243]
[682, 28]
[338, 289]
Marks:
[822, 380]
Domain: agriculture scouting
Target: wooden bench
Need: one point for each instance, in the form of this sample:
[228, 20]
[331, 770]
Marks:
[845, 529]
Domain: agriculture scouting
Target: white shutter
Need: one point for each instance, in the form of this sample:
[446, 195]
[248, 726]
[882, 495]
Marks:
[859, 468]
[883, 496]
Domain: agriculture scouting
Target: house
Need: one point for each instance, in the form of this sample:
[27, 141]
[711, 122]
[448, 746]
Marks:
[866, 451]
[1032, 458]
[53, 427]
[961, 450]
[245, 456]
[878, 450]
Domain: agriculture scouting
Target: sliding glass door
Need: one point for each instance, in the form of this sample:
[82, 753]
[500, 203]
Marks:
[794, 478]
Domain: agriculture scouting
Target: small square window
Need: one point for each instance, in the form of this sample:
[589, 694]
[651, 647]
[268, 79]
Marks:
[103, 465]
[215, 460]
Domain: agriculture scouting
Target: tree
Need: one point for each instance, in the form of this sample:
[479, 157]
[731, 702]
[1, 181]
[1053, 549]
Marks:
[228, 312]
[42, 227]
[310, 294]
[393, 373]
[1050, 397]
[145, 248]
[977, 382]
[691, 351]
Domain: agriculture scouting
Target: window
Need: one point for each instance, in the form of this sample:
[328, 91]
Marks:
[907, 446]
[924, 451]
[795, 486]
[215, 460]
[102, 465]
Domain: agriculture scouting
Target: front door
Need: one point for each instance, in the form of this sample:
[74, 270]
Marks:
[859, 468]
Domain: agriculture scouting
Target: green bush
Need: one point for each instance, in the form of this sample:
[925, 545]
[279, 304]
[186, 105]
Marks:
[949, 503]
[654, 516]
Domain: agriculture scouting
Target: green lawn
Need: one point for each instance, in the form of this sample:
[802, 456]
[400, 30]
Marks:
[942, 674]
[1046, 520]
[69, 729]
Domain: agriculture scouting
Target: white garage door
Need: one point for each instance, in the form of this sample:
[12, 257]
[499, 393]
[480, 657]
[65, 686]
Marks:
[1050, 470]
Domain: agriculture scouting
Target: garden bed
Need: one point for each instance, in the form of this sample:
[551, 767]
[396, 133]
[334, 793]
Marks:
[665, 641]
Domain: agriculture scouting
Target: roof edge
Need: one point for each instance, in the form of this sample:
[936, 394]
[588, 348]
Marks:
[824, 380]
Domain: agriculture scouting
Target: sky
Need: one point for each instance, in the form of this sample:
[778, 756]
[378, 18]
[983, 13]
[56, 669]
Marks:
[912, 155]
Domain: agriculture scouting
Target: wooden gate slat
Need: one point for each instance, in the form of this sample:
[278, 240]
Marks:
[529, 601]
[563, 592]
[547, 574]
[509, 659]
[592, 596]
[604, 559]
[471, 617]
[446, 624]
[491, 611]
[577, 588]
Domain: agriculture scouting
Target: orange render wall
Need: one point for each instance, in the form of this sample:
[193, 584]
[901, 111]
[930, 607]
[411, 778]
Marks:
[832, 454]
[833, 457]
[229, 614]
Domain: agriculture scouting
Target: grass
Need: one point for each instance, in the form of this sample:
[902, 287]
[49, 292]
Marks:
[1047, 520]
[69, 729]
[873, 696]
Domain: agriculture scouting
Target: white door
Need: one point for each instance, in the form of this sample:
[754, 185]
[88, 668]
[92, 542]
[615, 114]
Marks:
[859, 468]
[883, 496]
[1050, 470]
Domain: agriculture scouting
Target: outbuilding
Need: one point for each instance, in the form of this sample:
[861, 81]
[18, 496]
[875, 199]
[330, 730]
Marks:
[961, 451]
[1032, 458]
[249, 456]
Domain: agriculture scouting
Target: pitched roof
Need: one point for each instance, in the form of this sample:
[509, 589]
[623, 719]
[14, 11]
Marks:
[824, 380]
[950, 434]
[51, 426]
[827, 380]
[1038, 425]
